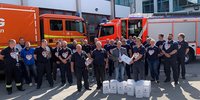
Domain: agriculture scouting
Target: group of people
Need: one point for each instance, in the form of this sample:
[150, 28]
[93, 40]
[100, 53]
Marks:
[23, 63]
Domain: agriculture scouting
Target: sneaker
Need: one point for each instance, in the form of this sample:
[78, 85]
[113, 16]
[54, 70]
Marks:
[30, 84]
[88, 89]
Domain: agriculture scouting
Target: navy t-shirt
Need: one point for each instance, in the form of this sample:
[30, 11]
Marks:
[169, 46]
[79, 59]
[159, 44]
[99, 56]
[42, 55]
[65, 53]
[182, 47]
[152, 53]
[141, 50]
[87, 48]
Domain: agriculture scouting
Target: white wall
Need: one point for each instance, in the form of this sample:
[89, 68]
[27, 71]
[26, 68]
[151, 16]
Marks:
[89, 6]
[16, 2]
[122, 11]
[54, 4]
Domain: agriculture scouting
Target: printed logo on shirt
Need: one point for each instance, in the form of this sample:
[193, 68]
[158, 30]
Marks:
[167, 46]
[29, 57]
[14, 55]
[44, 54]
[73, 50]
[135, 55]
[65, 54]
[56, 54]
[151, 52]
[179, 46]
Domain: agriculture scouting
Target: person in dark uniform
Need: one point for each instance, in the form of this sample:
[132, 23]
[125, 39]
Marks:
[106, 46]
[78, 61]
[55, 58]
[110, 60]
[94, 44]
[86, 47]
[100, 62]
[146, 45]
[73, 46]
[42, 55]
[159, 44]
[138, 60]
[152, 55]
[65, 56]
[169, 51]
[129, 52]
[12, 66]
[183, 49]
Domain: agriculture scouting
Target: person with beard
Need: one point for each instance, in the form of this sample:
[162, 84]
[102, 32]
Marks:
[27, 54]
[12, 70]
[78, 61]
[169, 51]
[55, 58]
[42, 55]
[159, 44]
[138, 60]
[24, 74]
[129, 52]
[183, 49]
[65, 56]
[100, 61]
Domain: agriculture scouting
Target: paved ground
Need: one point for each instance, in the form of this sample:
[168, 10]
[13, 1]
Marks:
[188, 89]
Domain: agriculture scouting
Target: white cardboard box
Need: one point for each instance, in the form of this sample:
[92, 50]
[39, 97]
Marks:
[130, 87]
[139, 90]
[106, 87]
[113, 86]
[147, 88]
[125, 86]
[120, 87]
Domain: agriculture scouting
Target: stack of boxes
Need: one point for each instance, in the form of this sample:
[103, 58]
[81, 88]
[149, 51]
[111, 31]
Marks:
[140, 88]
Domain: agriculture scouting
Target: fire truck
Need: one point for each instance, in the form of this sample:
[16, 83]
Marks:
[150, 25]
[25, 21]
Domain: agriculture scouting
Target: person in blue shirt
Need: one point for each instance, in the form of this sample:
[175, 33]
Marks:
[152, 56]
[138, 60]
[27, 54]
[169, 51]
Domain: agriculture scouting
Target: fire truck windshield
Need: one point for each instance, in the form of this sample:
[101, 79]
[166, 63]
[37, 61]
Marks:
[106, 30]
[134, 27]
[76, 25]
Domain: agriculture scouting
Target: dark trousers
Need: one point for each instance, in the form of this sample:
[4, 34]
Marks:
[24, 73]
[12, 72]
[153, 66]
[159, 64]
[181, 66]
[82, 73]
[41, 69]
[55, 67]
[138, 70]
[65, 70]
[146, 67]
[168, 64]
[31, 72]
[99, 73]
[128, 71]
[111, 67]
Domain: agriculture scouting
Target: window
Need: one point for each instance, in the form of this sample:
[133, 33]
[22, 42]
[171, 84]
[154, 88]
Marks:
[124, 28]
[75, 26]
[135, 27]
[107, 30]
[56, 25]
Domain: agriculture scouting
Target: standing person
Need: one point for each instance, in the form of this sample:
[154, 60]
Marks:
[146, 62]
[78, 61]
[86, 47]
[65, 56]
[138, 60]
[42, 56]
[169, 51]
[55, 57]
[152, 56]
[100, 62]
[24, 74]
[130, 40]
[94, 44]
[12, 70]
[129, 52]
[119, 65]
[27, 54]
[183, 49]
[159, 44]
[73, 46]
[106, 46]
[110, 60]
